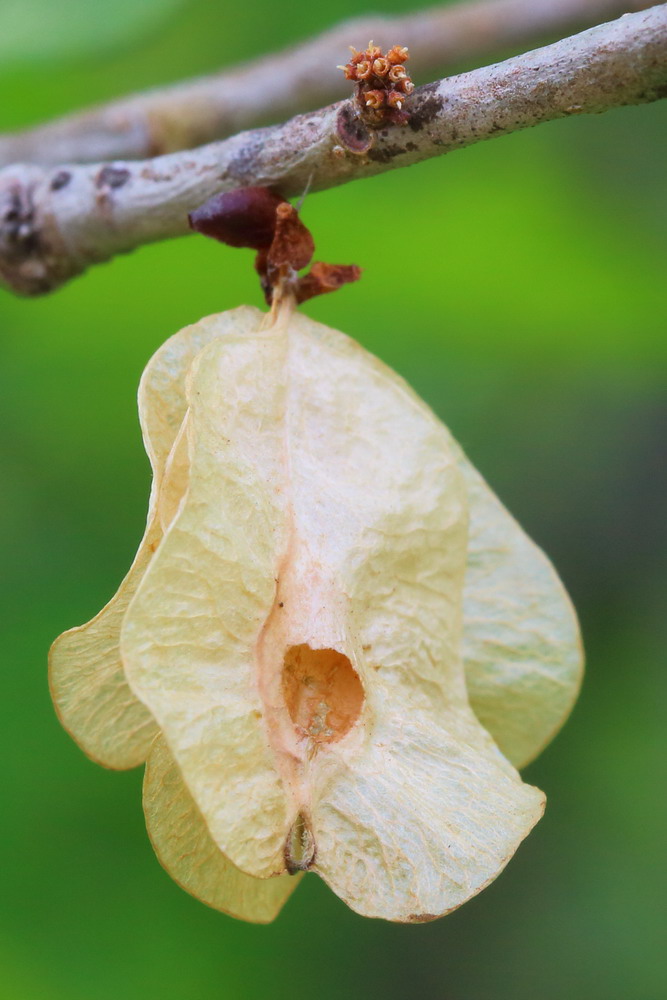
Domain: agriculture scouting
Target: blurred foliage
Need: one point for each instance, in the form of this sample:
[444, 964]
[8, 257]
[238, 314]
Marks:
[39, 29]
[519, 285]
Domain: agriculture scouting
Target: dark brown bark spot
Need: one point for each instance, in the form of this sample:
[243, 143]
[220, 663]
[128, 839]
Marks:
[113, 177]
[60, 180]
[243, 165]
[385, 153]
[425, 105]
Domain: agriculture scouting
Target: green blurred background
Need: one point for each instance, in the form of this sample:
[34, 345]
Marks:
[525, 300]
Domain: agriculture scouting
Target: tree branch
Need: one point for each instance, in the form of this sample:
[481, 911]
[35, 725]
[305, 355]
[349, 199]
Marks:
[298, 79]
[56, 221]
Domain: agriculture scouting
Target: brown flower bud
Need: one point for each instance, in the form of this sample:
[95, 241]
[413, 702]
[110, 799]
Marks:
[349, 70]
[374, 98]
[395, 99]
[380, 67]
[398, 54]
[397, 73]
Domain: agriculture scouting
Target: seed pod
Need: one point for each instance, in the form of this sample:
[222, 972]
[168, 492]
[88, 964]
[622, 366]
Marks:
[337, 623]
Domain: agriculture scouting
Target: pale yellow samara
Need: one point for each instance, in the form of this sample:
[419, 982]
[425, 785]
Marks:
[334, 647]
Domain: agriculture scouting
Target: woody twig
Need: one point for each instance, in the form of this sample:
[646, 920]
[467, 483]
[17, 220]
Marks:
[55, 221]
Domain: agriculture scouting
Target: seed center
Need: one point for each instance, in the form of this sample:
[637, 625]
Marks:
[322, 691]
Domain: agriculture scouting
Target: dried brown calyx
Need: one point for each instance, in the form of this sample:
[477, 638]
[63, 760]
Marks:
[257, 218]
[383, 84]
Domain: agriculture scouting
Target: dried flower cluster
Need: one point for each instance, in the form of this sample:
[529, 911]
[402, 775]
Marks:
[260, 219]
[334, 646]
[383, 83]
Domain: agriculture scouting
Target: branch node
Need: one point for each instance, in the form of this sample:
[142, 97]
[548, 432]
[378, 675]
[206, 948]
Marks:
[352, 131]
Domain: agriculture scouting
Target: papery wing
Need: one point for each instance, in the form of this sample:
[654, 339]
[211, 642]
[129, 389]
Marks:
[88, 686]
[190, 636]
[521, 644]
[188, 853]
[423, 819]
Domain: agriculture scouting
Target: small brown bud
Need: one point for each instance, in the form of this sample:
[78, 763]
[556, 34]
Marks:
[380, 67]
[395, 99]
[349, 70]
[397, 73]
[398, 54]
[374, 98]
[245, 217]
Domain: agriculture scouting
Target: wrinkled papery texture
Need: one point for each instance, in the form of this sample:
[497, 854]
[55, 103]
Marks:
[521, 643]
[184, 846]
[326, 506]
[521, 690]
[88, 685]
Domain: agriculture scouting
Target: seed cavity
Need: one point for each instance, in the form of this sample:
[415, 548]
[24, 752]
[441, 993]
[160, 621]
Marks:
[322, 692]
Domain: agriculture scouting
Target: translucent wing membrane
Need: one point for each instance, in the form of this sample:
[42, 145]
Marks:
[188, 853]
[87, 681]
[521, 644]
[189, 637]
[420, 821]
